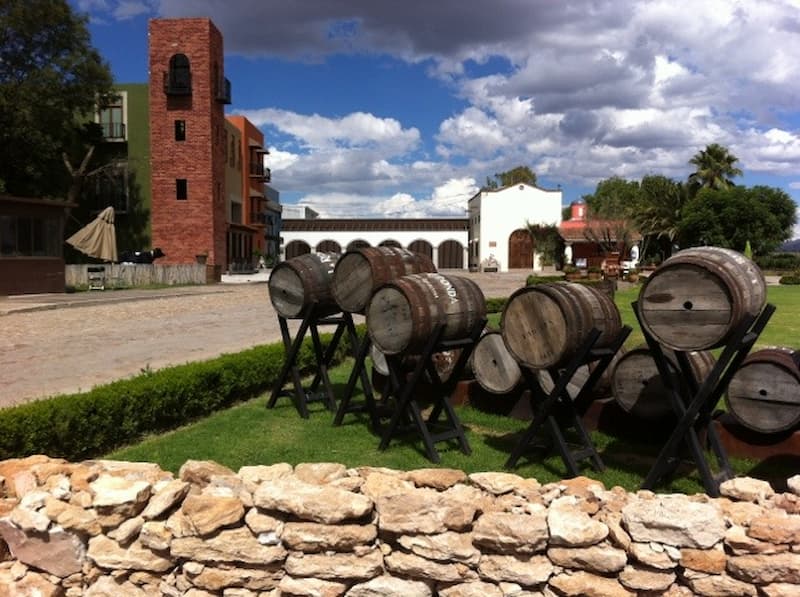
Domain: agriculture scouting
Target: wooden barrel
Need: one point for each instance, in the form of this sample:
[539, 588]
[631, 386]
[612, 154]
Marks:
[764, 393]
[360, 272]
[403, 313]
[444, 362]
[602, 387]
[296, 283]
[494, 367]
[544, 325]
[697, 298]
[637, 386]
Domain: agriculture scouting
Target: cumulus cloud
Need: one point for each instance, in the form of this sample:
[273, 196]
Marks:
[447, 200]
[586, 90]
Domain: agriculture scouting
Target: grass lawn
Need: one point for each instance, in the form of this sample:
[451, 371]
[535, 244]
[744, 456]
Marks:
[250, 433]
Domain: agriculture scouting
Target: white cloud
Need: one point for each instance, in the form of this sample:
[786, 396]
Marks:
[355, 130]
[447, 200]
[588, 90]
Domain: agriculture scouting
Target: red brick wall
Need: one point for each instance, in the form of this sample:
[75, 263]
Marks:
[183, 229]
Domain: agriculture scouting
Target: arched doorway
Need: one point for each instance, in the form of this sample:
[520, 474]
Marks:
[357, 244]
[520, 250]
[391, 243]
[297, 248]
[422, 247]
[329, 246]
[451, 255]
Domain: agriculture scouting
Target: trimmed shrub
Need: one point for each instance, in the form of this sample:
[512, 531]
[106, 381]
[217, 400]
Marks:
[791, 279]
[88, 424]
[495, 305]
[534, 279]
[779, 261]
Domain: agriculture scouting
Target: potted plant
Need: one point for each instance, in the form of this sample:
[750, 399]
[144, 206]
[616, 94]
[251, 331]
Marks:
[571, 272]
[633, 275]
[595, 272]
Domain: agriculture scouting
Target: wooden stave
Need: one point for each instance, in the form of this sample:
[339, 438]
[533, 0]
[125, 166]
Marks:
[604, 313]
[374, 266]
[505, 374]
[739, 278]
[601, 389]
[779, 365]
[426, 295]
[314, 272]
[656, 404]
[530, 342]
[580, 310]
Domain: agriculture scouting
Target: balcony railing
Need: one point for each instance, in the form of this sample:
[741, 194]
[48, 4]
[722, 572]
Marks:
[178, 85]
[258, 170]
[113, 131]
[258, 217]
[223, 92]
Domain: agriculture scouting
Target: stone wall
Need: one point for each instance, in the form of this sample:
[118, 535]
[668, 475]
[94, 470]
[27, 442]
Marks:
[103, 528]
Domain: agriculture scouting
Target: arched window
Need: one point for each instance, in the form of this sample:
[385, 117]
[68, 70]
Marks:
[179, 78]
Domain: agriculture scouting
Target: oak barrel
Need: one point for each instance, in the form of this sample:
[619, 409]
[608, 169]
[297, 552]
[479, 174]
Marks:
[444, 362]
[494, 368]
[545, 324]
[296, 283]
[602, 387]
[697, 298]
[764, 393]
[637, 386]
[361, 271]
[403, 313]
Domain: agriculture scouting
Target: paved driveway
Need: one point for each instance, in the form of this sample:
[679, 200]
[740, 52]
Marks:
[54, 344]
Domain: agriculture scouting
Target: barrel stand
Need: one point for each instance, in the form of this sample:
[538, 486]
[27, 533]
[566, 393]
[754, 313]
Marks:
[303, 396]
[694, 406]
[359, 371]
[558, 404]
[403, 389]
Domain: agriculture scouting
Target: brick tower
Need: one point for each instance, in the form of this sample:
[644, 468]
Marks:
[187, 139]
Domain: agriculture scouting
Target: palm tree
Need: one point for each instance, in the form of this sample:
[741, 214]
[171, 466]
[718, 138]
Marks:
[715, 168]
[659, 215]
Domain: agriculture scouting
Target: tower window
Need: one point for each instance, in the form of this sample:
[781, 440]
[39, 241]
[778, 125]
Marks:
[179, 79]
[181, 189]
[180, 130]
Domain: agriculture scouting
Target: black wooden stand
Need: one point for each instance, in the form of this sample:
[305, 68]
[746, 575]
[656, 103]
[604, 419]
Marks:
[403, 388]
[359, 371]
[694, 405]
[558, 404]
[303, 396]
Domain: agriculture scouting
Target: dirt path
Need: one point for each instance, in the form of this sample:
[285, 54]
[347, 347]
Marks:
[74, 342]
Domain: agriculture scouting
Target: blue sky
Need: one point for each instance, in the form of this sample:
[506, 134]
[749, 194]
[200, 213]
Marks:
[380, 108]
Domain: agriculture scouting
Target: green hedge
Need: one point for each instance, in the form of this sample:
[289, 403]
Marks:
[791, 279]
[88, 424]
[779, 261]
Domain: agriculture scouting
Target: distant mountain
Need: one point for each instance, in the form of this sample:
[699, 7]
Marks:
[791, 246]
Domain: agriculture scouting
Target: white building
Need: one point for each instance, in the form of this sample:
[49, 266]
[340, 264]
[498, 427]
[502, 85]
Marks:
[494, 236]
[444, 240]
[498, 220]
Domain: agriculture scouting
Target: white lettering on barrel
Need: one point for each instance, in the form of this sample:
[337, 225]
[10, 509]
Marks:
[448, 287]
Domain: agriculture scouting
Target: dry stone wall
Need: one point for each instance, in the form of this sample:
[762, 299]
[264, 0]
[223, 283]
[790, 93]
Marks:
[105, 528]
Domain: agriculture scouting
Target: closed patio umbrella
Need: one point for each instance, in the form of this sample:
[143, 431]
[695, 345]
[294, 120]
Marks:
[98, 238]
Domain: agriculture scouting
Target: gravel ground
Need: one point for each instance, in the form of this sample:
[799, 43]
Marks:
[54, 344]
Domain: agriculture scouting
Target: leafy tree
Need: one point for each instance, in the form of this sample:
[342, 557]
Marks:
[520, 174]
[714, 168]
[729, 218]
[546, 241]
[51, 79]
[611, 213]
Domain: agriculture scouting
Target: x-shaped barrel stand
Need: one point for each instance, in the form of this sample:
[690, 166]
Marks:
[404, 387]
[556, 408]
[694, 405]
[313, 317]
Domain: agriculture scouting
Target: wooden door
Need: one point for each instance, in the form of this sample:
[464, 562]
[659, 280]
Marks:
[520, 250]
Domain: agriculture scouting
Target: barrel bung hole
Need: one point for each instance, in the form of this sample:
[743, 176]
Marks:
[688, 305]
[762, 392]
